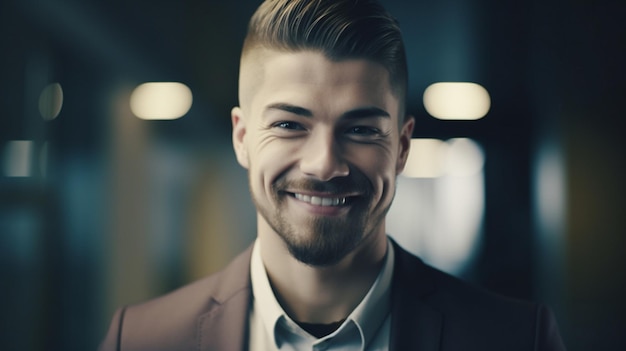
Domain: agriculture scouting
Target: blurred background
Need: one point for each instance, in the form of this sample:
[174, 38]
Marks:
[113, 191]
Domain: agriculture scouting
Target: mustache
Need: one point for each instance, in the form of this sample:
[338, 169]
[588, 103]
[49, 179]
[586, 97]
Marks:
[335, 185]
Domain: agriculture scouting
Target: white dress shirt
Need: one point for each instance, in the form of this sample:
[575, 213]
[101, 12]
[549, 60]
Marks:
[365, 329]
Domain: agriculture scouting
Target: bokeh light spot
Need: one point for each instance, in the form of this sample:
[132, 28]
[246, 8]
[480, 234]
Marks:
[457, 101]
[161, 100]
[426, 158]
[465, 157]
[17, 158]
[51, 101]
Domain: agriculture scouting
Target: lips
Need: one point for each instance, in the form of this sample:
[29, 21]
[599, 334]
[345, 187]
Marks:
[321, 200]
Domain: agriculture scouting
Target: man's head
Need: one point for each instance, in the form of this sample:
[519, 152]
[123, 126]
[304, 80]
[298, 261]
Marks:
[339, 29]
[321, 126]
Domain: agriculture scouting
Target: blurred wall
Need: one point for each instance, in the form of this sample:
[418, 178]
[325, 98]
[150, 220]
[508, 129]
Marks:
[99, 208]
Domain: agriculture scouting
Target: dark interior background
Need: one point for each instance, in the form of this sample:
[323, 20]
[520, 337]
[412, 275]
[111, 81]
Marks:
[83, 234]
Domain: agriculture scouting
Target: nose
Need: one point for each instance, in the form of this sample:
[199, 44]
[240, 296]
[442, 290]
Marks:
[322, 158]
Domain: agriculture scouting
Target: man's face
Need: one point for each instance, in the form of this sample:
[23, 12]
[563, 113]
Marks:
[323, 145]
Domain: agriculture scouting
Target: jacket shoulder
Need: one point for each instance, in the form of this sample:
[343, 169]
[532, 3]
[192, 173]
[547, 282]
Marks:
[170, 321]
[443, 289]
[472, 315]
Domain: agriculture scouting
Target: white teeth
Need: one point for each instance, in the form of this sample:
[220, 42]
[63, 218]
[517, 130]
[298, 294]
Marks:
[321, 201]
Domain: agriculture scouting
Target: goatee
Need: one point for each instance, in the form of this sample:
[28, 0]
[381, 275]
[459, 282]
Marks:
[321, 241]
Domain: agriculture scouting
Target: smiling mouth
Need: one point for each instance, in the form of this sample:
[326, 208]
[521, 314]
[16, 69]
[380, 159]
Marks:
[321, 200]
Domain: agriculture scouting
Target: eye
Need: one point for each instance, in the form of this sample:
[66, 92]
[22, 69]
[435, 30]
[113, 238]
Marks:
[363, 131]
[288, 125]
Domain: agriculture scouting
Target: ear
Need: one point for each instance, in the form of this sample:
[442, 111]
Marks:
[405, 143]
[239, 134]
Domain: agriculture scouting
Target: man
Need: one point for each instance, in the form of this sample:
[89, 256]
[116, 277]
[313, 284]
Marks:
[321, 129]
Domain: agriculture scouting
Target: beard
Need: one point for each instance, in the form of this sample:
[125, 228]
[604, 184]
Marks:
[320, 240]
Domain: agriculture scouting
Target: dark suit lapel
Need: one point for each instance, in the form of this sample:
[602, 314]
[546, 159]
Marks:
[224, 326]
[414, 324]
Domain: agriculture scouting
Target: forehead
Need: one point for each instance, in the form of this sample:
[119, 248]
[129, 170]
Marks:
[310, 79]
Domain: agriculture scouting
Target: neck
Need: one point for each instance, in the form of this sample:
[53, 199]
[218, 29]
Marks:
[321, 294]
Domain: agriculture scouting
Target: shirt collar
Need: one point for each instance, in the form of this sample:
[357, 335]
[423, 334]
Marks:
[368, 316]
[265, 304]
[375, 306]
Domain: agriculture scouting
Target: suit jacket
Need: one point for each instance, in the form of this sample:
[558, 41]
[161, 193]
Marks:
[431, 311]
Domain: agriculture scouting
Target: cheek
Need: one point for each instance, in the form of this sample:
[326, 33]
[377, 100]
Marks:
[377, 165]
[268, 161]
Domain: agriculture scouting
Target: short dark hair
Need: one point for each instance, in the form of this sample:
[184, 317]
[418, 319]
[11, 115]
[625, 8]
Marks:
[340, 29]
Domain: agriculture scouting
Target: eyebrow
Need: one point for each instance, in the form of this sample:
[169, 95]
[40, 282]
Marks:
[362, 112]
[296, 110]
[365, 112]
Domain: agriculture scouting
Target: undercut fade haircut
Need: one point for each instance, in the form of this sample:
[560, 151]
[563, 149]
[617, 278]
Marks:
[339, 29]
